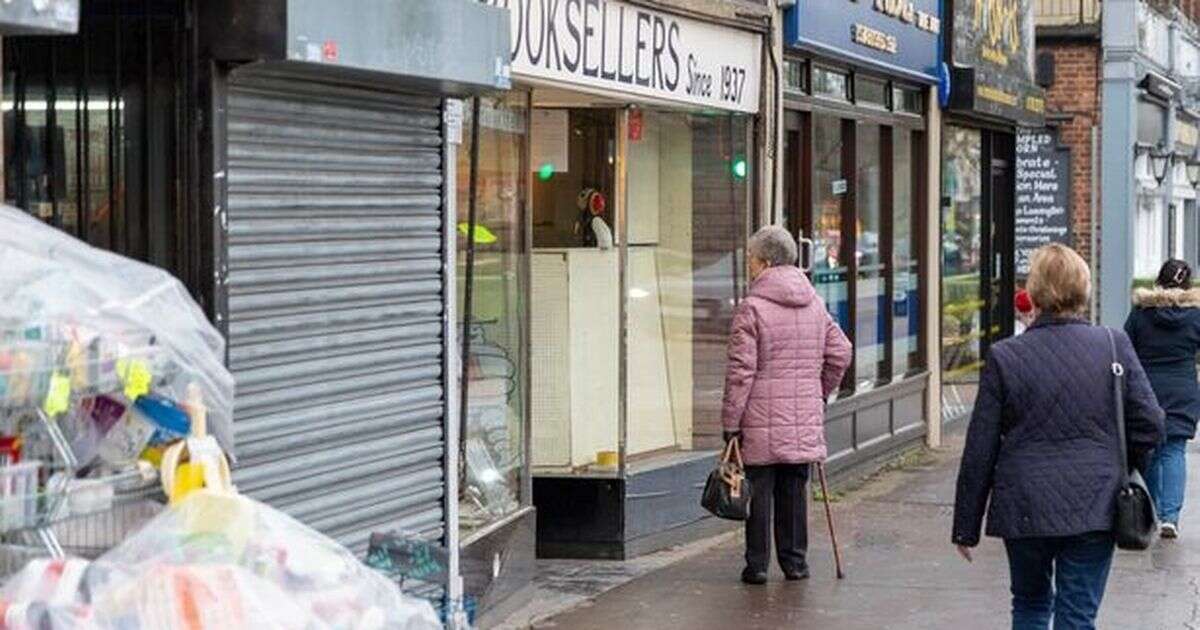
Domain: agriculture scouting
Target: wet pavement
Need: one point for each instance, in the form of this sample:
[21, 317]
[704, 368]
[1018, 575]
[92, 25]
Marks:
[901, 570]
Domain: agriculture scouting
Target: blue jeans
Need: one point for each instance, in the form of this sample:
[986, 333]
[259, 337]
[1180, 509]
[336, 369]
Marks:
[1167, 477]
[1059, 578]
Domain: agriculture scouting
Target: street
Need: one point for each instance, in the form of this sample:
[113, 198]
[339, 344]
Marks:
[901, 572]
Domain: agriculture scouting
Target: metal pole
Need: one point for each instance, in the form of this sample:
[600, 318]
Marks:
[454, 584]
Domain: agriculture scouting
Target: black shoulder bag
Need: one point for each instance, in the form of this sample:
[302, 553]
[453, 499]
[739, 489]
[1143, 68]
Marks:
[1135, 521]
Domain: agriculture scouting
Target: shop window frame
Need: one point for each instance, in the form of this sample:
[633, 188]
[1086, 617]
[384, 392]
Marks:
[818, 70]
[885, 86]
[798, 120]
[524, 368]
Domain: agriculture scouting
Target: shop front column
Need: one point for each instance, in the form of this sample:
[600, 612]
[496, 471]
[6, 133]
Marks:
[1119, 136]
[931, 268]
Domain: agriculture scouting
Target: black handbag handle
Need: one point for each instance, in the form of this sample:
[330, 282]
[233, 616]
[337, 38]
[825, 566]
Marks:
[732, 453]
[1118, 372]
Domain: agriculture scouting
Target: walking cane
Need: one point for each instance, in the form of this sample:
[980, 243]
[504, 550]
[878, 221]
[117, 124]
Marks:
[837, 554]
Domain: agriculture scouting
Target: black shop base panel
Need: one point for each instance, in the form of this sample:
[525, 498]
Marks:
[656, 506]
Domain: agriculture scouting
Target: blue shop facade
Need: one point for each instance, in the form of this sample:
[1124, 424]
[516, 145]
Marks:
[859, 81]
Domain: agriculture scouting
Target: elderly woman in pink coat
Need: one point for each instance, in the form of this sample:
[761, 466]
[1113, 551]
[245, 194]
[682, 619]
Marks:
[786, 355]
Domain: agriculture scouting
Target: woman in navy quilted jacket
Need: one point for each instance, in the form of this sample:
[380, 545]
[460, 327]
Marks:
[1042, 449]
[1165, 329]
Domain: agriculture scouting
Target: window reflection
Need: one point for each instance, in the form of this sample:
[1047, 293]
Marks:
[495, 432]
[905, 309]
[870, 335]
[688, 216]
[829, 189]
[962, 301]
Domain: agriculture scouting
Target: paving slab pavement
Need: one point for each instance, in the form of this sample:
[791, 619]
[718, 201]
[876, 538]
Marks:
[902, 572]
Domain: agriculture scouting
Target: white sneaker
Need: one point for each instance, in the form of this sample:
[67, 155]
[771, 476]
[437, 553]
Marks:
[1169, 530]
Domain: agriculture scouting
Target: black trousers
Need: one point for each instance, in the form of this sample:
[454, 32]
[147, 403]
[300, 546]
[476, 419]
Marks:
[780, 489]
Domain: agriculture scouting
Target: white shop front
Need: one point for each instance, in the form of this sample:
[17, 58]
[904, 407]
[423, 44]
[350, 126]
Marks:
[638, 192]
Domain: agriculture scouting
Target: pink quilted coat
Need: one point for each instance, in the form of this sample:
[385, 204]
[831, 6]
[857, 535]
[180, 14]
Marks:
[786, 355]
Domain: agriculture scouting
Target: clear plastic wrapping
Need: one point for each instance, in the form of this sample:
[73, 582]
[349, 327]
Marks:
[216, 561]
[77, 322]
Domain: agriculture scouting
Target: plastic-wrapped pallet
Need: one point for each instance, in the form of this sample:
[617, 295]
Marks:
[77, 322]
[216, 561]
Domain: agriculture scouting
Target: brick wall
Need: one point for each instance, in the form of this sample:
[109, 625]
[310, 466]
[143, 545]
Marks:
[1074, 103]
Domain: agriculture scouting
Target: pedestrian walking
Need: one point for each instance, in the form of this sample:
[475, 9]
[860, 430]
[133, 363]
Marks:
[786, 356]
[1165, 329]
[1043, 448]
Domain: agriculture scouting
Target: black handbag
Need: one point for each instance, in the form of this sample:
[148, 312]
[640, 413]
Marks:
[1135, 521]
[727, 492]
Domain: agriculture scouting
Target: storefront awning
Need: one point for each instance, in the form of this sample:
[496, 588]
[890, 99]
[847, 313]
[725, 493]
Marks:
[39, 17]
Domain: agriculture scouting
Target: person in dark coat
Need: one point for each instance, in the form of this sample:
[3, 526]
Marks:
[1165, 329]
[1042, 447]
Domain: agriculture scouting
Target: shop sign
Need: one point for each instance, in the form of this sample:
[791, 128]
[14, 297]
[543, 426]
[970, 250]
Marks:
[896, 36]
[1043, 206]
[993, 44]
[616, 47]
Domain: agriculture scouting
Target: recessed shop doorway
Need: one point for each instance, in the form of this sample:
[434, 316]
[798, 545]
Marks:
[639, 219]
[978, 263]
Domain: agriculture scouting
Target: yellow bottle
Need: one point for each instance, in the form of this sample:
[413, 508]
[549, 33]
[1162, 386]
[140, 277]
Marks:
[189, 477]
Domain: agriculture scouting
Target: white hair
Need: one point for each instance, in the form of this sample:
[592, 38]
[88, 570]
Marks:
[773, 245]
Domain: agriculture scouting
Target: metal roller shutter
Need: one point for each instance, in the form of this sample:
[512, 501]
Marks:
[335, 301]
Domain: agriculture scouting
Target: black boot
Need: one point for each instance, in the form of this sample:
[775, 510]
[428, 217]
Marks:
[757, 578]
[800, 573]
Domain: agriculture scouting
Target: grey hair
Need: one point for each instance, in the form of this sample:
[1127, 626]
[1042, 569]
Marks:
[773, 245]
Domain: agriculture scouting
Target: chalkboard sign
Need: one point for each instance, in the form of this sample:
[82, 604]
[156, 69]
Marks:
[1043, 207]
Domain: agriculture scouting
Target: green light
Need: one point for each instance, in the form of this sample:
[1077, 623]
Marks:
[740, 168]
[546, 172]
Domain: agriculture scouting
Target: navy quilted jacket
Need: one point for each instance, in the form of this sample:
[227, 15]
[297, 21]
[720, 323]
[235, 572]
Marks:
[1042, 443]
[1165, 329]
